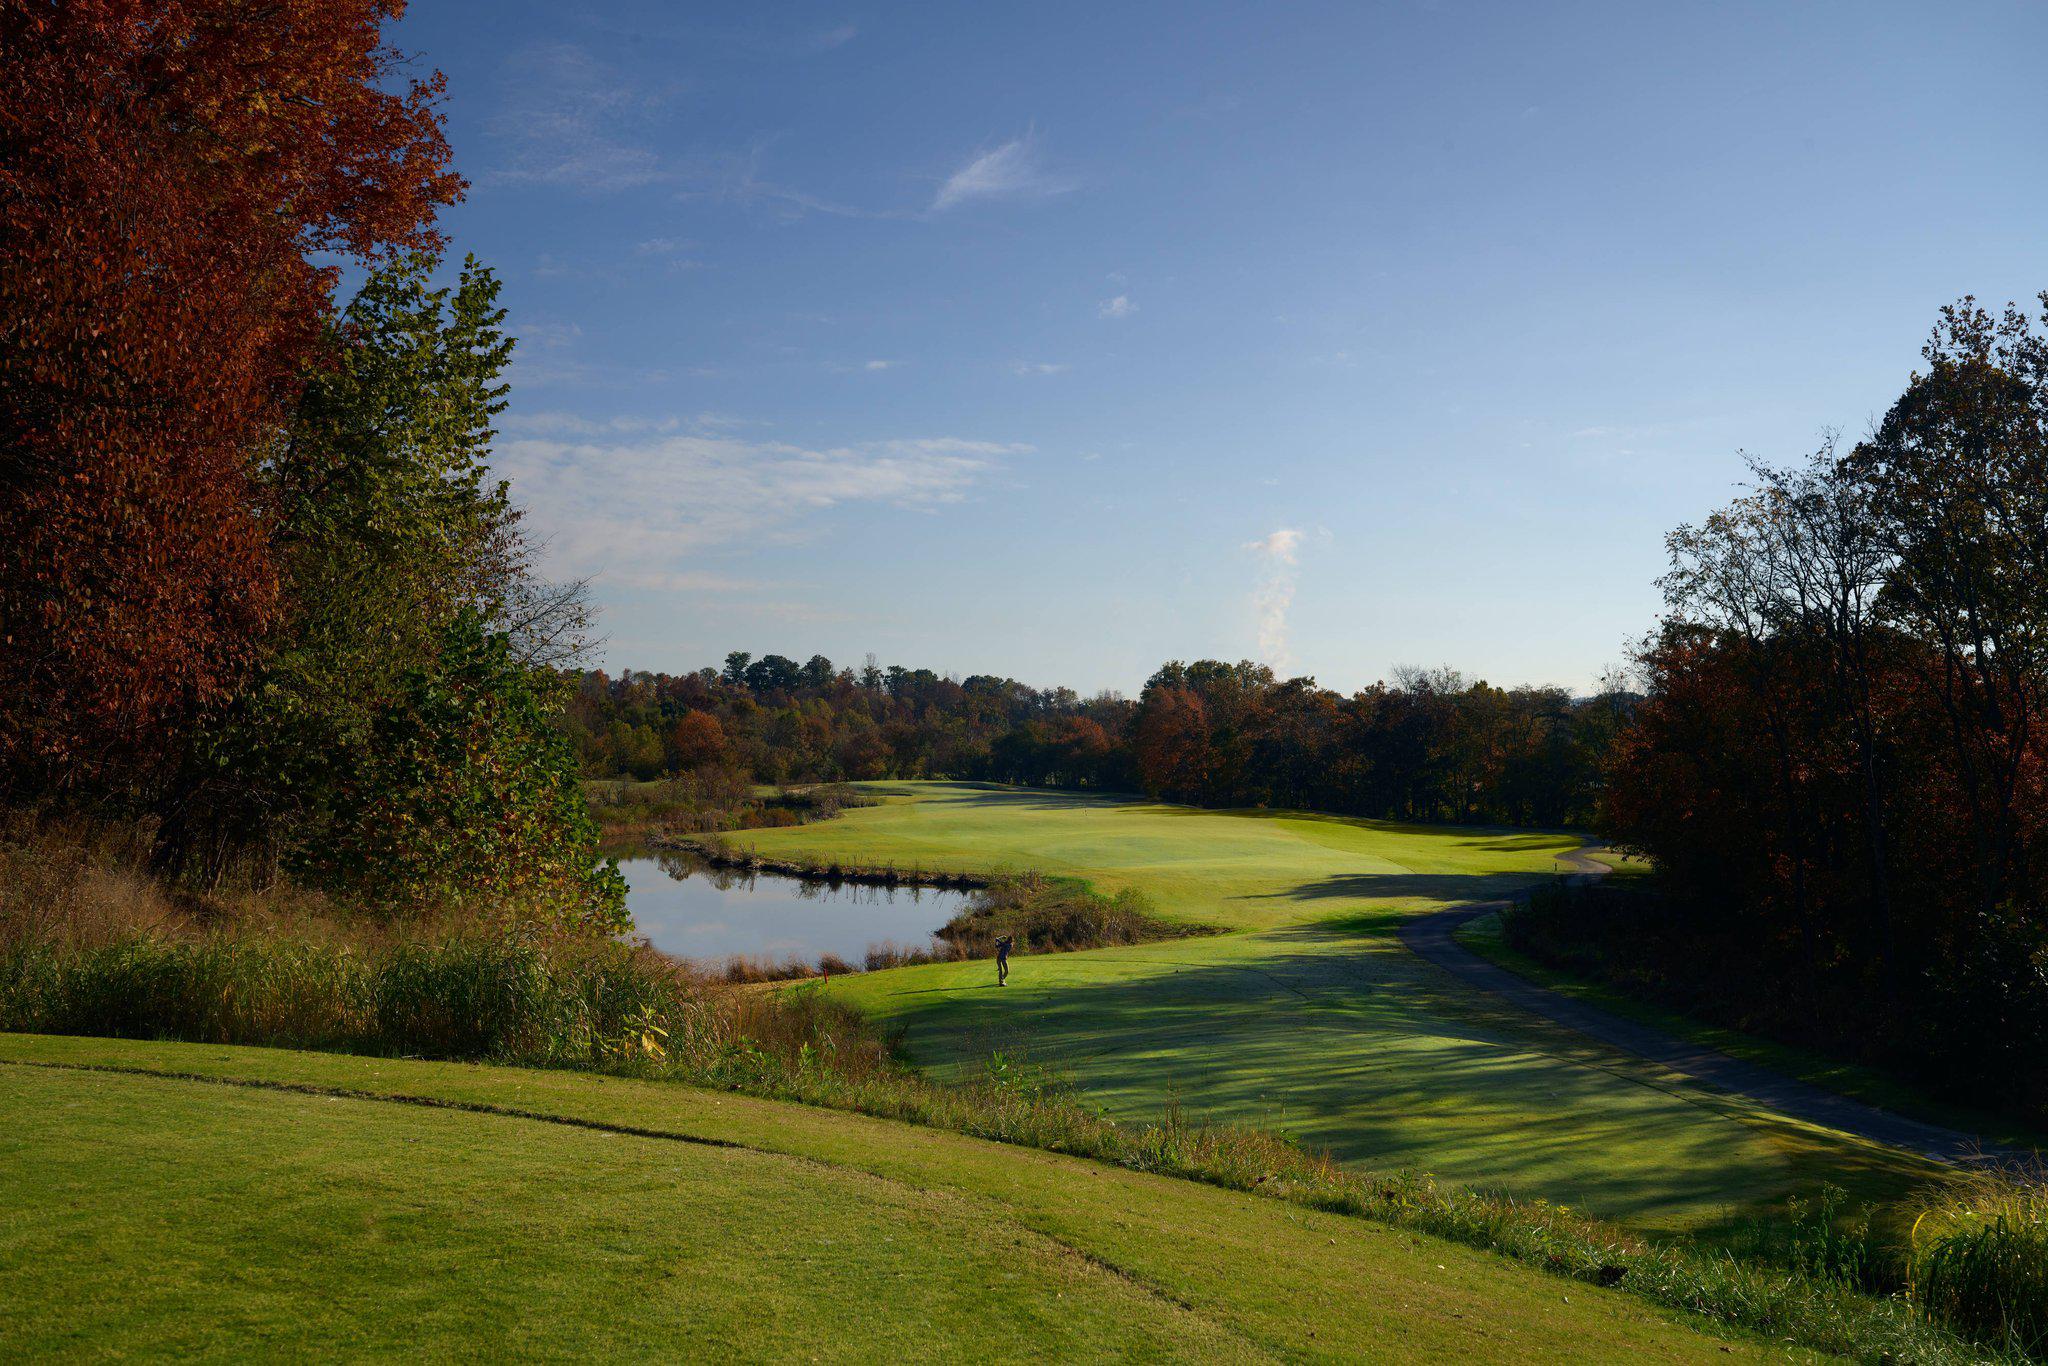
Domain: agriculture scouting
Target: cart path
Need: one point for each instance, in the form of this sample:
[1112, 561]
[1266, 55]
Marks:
[1433, 938]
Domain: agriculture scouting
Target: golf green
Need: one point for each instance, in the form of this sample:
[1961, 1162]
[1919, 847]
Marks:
[1308, 1016]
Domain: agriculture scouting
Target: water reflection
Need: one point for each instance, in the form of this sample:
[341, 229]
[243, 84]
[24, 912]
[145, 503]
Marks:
[686, 907]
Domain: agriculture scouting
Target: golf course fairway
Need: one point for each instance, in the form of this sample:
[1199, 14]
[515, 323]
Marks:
[1308, 1016]
[200, 1200]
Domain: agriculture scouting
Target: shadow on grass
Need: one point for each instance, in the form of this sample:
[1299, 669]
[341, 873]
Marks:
[1370, 1057]
[1449, 888]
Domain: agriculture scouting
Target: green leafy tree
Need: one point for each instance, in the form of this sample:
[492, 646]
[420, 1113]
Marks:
[467, 795]
[399, 547]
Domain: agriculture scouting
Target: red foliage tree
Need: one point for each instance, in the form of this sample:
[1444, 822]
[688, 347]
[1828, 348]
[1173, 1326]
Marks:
[166, 172]
[1172, 745]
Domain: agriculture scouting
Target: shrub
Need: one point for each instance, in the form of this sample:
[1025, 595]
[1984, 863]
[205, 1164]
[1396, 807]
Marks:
[1047, 915]
[503, 995]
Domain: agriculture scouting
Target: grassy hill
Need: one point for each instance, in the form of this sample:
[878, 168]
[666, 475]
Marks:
[1310, 1017]
[205, 1200]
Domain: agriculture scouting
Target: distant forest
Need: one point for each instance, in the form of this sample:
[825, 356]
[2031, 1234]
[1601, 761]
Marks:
[1428, 746]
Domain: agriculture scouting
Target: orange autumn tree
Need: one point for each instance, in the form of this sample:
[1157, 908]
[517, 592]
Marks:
[168, 174]
[696, 741]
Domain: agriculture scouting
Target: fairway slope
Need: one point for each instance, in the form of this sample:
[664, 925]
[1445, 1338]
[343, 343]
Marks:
[179, 1199]
[1309, 1015]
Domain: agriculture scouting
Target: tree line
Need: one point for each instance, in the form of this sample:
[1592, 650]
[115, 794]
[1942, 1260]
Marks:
[1840, 766]
[261, 595]
[1427, 746]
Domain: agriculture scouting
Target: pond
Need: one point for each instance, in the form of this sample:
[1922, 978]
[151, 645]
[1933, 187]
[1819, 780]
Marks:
[685, 907]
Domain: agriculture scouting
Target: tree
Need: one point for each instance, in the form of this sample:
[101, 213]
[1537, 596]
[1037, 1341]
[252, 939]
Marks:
[388, 527]
[1838, 766]
[467, 795]
[775, 673]
[166, 174]
[697, 741]
[1958, 477]
[1172, 746]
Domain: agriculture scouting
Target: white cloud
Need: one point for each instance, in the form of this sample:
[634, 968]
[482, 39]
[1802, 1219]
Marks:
[1119, 307]
[1279, 567]
[881, 365]
[1039, 367]
[1281, 547]
[1011, 171]
[834, 37]
[625, 502]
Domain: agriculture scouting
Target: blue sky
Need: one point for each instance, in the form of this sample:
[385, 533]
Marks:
[1059, 340]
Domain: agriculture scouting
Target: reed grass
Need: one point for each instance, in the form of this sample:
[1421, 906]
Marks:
[1980, 1259]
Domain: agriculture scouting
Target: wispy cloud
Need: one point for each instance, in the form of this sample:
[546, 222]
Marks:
[570, 121]
[1011, 171]
[1119, 307]
[674, 252]
[642, 503]
[573, 122]
[550, 333]
[827, 39]
[683, 581]
[1039, 367]
[735, 178]
[574, 424]
[725, 596]
[882, 365]
[1279, 561]
[537, 369]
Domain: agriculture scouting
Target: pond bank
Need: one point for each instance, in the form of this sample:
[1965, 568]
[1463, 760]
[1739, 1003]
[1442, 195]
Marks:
[721, 853]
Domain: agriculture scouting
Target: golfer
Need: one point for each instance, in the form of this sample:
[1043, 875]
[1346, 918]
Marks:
[1003, 961]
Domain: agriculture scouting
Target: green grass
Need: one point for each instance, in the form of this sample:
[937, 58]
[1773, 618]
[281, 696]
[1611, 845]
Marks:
[1310, 1017]
[306, 1209]
[1484, 936]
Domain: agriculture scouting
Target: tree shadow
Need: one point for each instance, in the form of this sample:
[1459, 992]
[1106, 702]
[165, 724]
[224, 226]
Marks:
[1449, 888]
[1371, 1053]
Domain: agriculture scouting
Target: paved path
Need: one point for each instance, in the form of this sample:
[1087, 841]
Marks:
[1431, 936]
